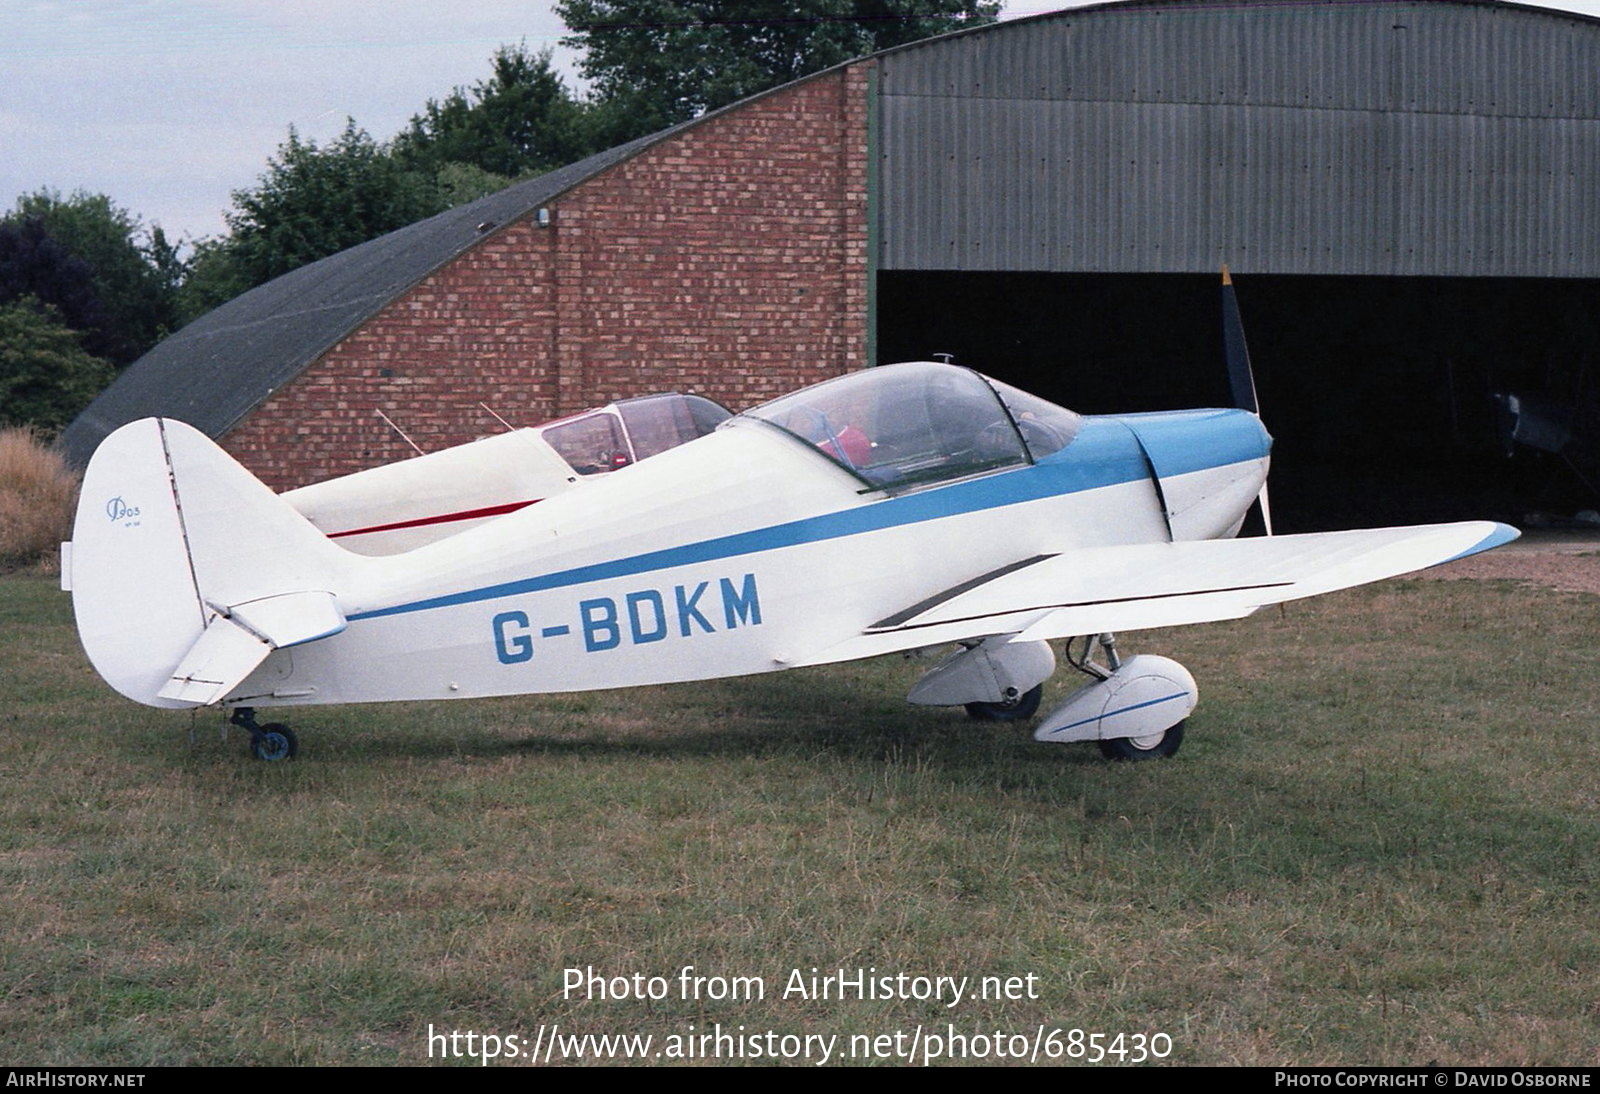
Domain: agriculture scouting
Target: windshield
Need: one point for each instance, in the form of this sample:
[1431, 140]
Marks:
[656, 423]
[631, 430]
[590, 443]
[1045, 427]
[901, 426]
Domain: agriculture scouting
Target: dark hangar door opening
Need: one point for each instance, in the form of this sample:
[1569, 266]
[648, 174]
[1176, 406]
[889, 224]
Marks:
[1379, 392]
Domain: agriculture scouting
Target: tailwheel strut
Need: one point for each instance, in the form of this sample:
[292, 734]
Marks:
[271, 742]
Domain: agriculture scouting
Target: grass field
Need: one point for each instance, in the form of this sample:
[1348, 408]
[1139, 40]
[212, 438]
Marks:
[1380, 844]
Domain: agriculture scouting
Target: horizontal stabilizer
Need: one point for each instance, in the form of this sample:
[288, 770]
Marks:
[233, 644]
[225, 654]
[290, 619]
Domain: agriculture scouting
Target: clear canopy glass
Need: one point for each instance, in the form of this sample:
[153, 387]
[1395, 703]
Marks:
[630, 430]
[904, 426]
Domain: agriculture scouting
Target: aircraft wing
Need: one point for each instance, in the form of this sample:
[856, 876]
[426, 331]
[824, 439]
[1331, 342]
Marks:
[1098, 589]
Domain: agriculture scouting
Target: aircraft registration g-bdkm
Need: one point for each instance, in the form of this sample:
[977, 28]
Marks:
[895, 508]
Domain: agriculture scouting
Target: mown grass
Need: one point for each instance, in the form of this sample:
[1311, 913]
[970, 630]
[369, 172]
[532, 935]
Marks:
[1380, 844]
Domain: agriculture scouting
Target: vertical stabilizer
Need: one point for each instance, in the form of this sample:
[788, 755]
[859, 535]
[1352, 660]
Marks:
[187, 571]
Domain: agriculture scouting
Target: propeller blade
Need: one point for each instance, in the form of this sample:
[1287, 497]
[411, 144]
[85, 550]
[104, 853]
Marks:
[1241, 377]
[1236, 351]
[1266, 509]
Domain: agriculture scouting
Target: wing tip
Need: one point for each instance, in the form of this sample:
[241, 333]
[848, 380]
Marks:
[1499, 535]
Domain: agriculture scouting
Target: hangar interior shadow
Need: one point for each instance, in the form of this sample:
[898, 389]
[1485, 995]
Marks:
[1379, 392]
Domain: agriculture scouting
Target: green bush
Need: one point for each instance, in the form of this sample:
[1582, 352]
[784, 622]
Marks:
[46, 376]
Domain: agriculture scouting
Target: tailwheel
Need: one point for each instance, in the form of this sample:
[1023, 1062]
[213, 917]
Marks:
[275, 742]
[271, 742]
[1149, 747]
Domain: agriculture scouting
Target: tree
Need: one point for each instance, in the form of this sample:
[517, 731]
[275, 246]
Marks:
[316, 201]
[135, 272]
[46, 376]
[653, 63]
[459, 183]
[521, 121]
[35, 266]
[212, 276]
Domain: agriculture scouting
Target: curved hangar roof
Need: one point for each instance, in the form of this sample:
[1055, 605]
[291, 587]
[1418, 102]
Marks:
[218, 368]
[1432, 138]
[1378, 138]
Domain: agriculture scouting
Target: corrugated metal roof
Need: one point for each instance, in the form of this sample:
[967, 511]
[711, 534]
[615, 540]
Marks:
[217, 369]
[1345, 136]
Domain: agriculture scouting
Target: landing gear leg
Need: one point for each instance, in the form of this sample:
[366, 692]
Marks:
[271, 742]
[1086, 663]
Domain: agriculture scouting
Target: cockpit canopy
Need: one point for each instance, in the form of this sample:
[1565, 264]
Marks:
[899, 427]
[630, 430]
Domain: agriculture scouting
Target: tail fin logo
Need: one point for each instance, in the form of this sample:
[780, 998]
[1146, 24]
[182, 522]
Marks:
[117, 509]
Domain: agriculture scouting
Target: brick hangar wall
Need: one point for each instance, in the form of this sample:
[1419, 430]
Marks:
[729, 260]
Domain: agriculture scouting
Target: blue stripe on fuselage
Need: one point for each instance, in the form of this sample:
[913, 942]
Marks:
[1104, 453]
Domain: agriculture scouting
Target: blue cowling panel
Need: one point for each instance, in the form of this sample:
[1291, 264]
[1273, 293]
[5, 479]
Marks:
[1181, 441]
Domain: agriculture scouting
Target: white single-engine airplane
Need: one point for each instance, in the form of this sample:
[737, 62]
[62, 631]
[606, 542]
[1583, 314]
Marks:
[895, 508]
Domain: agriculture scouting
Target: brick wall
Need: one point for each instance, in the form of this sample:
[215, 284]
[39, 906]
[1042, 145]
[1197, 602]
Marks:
[728, 260]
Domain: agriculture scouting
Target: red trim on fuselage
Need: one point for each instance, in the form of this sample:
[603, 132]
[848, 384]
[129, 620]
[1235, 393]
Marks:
[445, 518]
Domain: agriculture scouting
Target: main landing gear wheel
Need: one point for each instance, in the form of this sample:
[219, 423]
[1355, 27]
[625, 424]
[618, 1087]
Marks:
[1156, 745]
[1019, 709]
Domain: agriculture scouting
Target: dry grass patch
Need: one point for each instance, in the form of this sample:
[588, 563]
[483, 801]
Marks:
[37, 491]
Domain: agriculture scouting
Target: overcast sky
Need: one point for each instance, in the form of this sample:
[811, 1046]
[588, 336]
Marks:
[167, 106]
